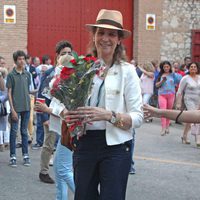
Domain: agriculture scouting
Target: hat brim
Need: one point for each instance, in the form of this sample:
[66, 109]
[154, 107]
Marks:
[126, 33]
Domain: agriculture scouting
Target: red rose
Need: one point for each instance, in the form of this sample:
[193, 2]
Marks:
[55, 86]
[52, 92]
[97, 73]
[66, 73]
[71, 127]
[73, 61]
[86, 59]
[91, 58]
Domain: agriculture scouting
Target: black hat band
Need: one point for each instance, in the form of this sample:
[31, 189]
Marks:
[109, 22]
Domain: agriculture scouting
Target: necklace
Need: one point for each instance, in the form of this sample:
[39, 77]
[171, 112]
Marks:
[103, 70]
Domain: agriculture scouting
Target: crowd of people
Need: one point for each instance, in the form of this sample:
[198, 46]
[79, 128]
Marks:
[172, 86]
[115, 109]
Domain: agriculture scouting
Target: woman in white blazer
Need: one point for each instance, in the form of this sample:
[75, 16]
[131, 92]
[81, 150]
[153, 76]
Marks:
[102, 157]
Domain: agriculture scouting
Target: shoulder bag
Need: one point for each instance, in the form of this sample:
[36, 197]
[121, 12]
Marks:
[3, 110]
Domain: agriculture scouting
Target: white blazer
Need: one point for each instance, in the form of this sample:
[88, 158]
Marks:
[122, 95]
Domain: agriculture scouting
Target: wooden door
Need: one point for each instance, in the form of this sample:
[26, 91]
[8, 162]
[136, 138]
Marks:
[50, 21]
[196, 45]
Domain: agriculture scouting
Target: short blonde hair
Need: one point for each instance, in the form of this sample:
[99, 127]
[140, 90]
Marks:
[148, 66]
[4, 72]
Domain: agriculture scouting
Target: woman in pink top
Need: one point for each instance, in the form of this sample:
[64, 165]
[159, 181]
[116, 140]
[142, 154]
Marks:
[147, 80]
[166, 83]
[147, 83]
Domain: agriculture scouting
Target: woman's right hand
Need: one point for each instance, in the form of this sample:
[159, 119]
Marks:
[71, 117]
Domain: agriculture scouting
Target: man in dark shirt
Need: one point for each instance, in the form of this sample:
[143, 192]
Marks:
[30, 68]
[62, 48]
[18, 83]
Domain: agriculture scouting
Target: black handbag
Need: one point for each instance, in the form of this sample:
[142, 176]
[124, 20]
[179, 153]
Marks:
[3, 110]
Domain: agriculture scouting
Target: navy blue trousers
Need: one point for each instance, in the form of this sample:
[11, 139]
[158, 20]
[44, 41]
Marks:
[100, 171]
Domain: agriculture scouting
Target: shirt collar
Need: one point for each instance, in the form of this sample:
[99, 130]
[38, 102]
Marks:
[16, 72]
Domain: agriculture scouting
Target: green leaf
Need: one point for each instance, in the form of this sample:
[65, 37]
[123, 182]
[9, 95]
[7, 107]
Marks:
[81, 57]
[80, 62]
[68, 64]
[75, 55]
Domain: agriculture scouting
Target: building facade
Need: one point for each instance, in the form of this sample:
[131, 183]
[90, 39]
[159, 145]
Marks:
[13, 36]
[171, 39]
[179, 18]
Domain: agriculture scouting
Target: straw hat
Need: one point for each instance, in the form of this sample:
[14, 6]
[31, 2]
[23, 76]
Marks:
[111, 19]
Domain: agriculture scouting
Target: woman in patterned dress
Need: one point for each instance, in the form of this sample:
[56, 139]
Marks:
[190, 87]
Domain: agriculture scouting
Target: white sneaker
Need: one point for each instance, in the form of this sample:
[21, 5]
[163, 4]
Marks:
[51, 161]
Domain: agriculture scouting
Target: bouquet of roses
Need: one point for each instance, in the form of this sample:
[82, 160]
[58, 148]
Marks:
[72, 87]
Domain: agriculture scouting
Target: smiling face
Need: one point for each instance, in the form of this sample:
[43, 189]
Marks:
[166, 68]
[106, 41]
[193, 69]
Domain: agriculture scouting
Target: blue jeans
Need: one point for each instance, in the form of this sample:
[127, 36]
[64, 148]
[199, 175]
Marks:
[132, 149]
[24, 133]
[41, 118]
[57, 140]
[97, 163]
[63, 172]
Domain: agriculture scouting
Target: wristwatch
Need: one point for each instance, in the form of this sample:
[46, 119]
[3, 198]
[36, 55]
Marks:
[113, 119]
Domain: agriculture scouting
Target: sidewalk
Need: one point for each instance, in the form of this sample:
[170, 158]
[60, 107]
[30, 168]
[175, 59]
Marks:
[166, 169]
[22, 183]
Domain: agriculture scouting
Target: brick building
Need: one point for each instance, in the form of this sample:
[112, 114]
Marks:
[13, 36]
[172, 38]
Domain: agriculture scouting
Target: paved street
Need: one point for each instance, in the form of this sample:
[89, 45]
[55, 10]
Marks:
[165, 169]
